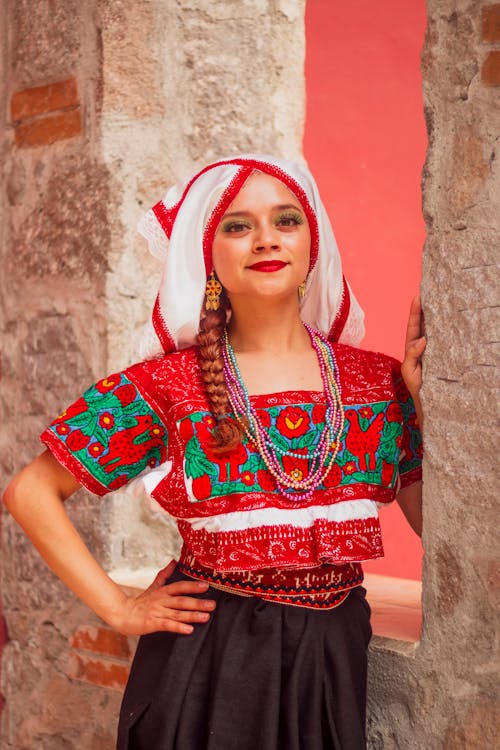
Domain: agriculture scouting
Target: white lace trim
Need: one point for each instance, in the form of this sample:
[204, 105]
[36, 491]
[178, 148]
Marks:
[347, 510]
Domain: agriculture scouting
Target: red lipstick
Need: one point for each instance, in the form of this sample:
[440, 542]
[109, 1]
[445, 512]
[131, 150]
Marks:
[268, 266]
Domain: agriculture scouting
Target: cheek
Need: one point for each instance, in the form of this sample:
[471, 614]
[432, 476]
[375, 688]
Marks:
[223, 259]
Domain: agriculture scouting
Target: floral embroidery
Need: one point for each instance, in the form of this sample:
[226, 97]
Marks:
[370, 447]
[107, 384]
[113, 432]
[107, 420]
[293, 422]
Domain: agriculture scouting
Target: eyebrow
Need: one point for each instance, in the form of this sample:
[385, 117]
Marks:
[280, 207]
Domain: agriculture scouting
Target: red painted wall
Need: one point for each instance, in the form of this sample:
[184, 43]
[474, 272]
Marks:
[365, 143]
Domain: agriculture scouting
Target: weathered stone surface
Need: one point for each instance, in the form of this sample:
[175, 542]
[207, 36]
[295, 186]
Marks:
[46, 39]
[162, 87]
[443, 696]
[61, 229]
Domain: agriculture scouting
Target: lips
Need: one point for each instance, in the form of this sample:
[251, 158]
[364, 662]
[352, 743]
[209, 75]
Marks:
[268, 265]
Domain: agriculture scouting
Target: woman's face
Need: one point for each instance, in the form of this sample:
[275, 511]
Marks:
[262, 244]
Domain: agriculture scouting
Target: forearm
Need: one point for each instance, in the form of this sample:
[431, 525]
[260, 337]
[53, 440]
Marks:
[410, 502]
[38, 507]
[419, 412]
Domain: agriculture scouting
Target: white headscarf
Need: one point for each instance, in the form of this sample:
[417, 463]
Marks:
[180, 230]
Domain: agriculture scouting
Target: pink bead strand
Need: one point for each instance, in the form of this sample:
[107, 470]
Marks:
[329, 440]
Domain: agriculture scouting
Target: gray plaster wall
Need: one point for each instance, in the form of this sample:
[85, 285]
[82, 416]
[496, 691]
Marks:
[443, 695]
[164, 86]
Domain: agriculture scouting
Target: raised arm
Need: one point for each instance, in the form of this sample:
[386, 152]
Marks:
[410, 498]
[415, 343]
[35, 498]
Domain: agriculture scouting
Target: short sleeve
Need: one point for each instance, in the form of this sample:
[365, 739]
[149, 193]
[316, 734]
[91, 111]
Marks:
[411, 450]
[109, 435]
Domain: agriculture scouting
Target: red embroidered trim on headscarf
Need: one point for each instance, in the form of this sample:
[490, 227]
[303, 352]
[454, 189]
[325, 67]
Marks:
[342, 314]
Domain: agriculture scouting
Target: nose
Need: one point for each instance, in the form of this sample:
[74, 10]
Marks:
[266, 238]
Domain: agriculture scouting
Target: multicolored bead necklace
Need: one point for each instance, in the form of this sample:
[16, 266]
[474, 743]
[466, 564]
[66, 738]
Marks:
[324, 454]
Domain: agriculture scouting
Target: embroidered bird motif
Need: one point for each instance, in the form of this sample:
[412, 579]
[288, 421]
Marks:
[229, 462]
[123, 449]
[363, 443]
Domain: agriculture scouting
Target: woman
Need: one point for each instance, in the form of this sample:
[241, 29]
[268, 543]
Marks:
[257, 424]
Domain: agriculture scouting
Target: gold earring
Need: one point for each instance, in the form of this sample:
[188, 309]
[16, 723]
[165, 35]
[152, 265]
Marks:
[302, 290]
[212, 292]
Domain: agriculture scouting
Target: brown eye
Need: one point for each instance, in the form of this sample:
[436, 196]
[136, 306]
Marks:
[235, 226]
[291, 219]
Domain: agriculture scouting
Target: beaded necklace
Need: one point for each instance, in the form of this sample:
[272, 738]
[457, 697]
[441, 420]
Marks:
[321, 459]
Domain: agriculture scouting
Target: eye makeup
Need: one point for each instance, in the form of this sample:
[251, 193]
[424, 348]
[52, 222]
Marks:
[289, 218]
[235, 225]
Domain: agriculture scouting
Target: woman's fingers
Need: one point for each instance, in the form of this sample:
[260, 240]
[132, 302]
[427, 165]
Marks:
[187, 602]
[415, 327]
[186, 587]
[163, 575]
[415, 349]
[167, 606]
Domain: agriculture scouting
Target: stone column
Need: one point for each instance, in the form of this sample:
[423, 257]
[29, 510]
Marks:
[442, 695]
[106, 103]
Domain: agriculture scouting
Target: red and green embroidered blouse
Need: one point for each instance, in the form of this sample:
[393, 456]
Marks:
[152, 422]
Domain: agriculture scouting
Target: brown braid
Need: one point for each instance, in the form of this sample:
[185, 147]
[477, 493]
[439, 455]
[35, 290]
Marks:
[227, 434]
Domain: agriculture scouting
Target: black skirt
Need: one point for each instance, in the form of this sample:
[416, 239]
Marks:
[257, 676]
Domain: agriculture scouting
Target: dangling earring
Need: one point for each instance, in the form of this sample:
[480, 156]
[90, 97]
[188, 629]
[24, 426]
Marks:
[302, 290]
[212, 292]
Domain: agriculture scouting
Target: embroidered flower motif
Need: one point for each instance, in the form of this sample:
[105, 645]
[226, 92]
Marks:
[107, 384]
[77, 408]
[413, 421]
[251, 447]
[266, 480]
[318, 414]
[296, 468]
[366, 412]
[264, 417]
[201, 487]
[125, 394]
[334, 476]
[152, 462]
[247, 478]
[157, 431]
[209, 420]
[118, 482]
[63, 429]
[349, 468]
[95, 449]
[399, 441]
[293, 422]
[394, 413]
[76, 441]
[107, 420]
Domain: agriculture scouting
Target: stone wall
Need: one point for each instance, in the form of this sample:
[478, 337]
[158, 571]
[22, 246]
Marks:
[442, 695]
[105, 103]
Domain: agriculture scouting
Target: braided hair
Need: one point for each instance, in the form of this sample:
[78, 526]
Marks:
[227, 433]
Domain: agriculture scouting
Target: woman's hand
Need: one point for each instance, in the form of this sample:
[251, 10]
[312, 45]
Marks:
[35, 498]
[164, 607]
[415, 344]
